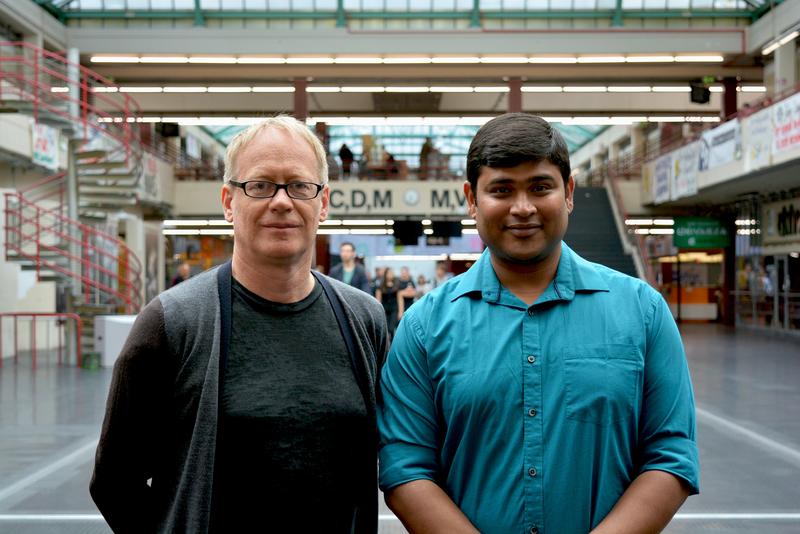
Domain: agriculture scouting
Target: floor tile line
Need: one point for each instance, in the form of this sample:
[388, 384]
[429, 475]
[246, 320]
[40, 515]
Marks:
[784, 451]
[47, 470]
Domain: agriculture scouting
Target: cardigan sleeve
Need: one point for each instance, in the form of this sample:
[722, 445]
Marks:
[126, 458]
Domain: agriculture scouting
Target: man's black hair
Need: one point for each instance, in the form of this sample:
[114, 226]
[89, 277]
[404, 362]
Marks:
[513, 139]
[347, 243]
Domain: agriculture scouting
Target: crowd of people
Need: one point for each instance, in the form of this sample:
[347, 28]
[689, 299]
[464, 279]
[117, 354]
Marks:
[396, 293]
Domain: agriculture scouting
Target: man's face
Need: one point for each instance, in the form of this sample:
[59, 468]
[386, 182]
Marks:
[347, 253]
[404, 273]
[277, 229]
[521, 212]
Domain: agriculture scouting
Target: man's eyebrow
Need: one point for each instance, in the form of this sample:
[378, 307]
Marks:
[507, 180]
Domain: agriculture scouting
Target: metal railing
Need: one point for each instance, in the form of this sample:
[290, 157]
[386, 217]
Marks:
[60, 319]
[49, 87]
[758, 308]
[106, 271]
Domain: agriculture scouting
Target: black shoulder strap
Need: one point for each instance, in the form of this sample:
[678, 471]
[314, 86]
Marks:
[349, 339]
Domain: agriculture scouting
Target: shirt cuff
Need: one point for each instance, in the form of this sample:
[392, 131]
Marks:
[404, 462]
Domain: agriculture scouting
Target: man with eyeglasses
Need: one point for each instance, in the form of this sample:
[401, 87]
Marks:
[244, 398]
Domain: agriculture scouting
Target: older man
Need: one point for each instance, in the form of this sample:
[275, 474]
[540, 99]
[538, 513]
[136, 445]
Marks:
[537, 392]
[244, 398]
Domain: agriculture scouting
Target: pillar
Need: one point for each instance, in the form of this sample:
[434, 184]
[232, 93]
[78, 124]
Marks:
[514, 95]
[74, 76]
[729, 104]
[300, 99]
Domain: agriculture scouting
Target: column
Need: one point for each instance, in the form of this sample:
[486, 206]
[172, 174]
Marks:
[638, 140]
[729, 104]
[300, 99]
[74, 76]
[514, 95]
[785, 68]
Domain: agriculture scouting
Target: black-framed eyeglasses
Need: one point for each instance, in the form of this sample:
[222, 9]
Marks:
[266, 189]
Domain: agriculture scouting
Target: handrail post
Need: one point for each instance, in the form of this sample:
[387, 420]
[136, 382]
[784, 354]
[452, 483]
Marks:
[79, 330]
[33, 342]
[16, 342]
[1, 341]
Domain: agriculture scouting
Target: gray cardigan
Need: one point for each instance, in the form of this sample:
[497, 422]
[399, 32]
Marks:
[155, 461]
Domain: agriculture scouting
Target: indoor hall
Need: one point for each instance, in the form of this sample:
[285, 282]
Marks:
[679, 118]
[745, 385]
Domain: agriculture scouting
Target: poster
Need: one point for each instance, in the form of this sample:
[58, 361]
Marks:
[721, 145]
[684, 174]
[757, 140]
[786, 124]
[662, 179]
[45, 146]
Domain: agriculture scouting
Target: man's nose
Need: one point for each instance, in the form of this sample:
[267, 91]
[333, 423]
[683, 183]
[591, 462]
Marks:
[523, 205]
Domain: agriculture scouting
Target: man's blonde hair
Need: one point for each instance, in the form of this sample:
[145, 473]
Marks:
[280, 122]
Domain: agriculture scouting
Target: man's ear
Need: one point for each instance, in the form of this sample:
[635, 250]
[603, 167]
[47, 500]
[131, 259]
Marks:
[569, 192]
[227, 198]
[326, 202]
[472, 200]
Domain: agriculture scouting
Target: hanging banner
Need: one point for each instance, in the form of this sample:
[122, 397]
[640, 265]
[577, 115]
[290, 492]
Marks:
[684, 175]
[782, 222]
[786, 124]
[45, 146]
[662, 178]
[721, 145]
[757, 137]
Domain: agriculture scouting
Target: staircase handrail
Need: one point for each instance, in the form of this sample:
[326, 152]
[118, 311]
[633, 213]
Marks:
[126, 111]
[136, 266]
[130, 296]
[67, 237]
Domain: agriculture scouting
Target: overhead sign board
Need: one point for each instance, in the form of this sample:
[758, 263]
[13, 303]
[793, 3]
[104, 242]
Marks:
[397, 198]
[699, 232]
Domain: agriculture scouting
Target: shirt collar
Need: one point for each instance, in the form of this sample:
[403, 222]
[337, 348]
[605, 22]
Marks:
[573, 274]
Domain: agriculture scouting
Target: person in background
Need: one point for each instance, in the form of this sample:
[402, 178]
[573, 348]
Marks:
[346, 156]
[537, 392]
[424, 158]
[378, 279]
[183, 274]
[246, 396]
[387, 294]
[423, 286]
[407, 290]
[349, 271]
[441, 276]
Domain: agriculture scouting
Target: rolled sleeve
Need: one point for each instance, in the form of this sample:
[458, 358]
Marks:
[667, 433]
[407, 415]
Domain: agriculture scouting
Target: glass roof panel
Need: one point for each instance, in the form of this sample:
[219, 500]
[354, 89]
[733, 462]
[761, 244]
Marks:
[404, 142]
[404, 5]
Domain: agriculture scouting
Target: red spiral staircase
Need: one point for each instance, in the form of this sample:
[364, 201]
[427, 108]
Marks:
[82, 253]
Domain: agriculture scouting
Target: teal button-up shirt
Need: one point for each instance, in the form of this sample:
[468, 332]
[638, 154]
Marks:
[537, 418]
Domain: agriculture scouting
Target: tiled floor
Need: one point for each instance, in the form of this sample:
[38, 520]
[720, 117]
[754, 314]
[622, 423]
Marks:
[748, 396]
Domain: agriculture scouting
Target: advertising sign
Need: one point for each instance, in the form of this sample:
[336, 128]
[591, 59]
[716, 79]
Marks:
[786, 124]
[662, 178]
[684, 174]
[699, 232]
[721, 145]
[45, 146]
[782, 222]
[757, 138]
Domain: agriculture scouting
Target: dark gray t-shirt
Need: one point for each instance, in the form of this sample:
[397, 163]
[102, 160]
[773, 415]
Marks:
[294, 422]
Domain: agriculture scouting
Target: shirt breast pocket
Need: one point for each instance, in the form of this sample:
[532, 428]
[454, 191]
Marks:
[601, 382]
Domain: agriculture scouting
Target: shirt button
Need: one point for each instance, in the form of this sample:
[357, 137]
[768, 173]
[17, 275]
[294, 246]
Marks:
[531, 359]
[530, 312]
[532, 412]
[534, 530]
[532, 471]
